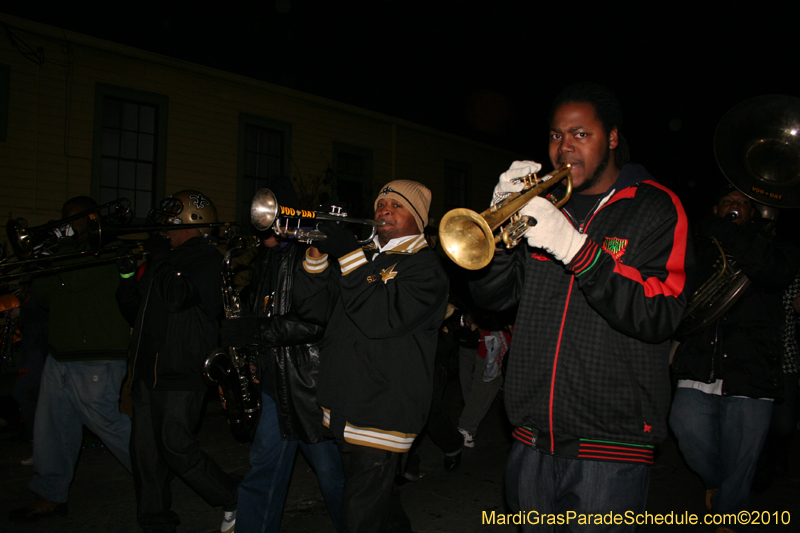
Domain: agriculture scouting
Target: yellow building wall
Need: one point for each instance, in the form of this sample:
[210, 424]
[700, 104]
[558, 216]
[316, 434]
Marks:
[47, 157]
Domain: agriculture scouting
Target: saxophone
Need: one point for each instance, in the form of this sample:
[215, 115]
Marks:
[230, 368]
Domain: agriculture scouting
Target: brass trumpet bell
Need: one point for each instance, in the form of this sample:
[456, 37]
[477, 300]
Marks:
[263, 209]
[468, 238]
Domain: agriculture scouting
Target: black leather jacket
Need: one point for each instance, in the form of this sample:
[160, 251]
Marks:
[289, 351]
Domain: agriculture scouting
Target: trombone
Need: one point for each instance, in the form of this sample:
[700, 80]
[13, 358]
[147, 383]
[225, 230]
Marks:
[135, 252]
[266, 213]
[100, 235]
[468, 237]
[25, 240]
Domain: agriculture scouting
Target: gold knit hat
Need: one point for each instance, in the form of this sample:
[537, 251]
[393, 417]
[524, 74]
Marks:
[414, 196]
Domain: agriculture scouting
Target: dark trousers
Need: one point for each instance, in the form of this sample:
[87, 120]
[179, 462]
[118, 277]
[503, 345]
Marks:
[164, 444]
[442, 431]
[371, 502]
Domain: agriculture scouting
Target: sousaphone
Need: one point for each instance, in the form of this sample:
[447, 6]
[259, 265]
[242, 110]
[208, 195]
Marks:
[757, 147]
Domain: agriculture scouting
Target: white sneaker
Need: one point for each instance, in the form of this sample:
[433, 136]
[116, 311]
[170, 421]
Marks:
[469, 438]
[228, 522]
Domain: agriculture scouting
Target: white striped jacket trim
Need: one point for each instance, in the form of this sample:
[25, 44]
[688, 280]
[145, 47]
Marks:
[352, 261]
[410, 247]
[391, 441]
[315, 265]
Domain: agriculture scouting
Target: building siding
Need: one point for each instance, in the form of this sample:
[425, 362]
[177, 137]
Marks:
[47, 157]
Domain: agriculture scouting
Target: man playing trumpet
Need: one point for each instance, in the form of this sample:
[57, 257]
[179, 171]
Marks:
[383, 305]
[600, 289]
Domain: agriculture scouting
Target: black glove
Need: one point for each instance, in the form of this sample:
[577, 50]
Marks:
[724, 229]
[156, 247]
[126, 261]
[338, 241]
[240, 332]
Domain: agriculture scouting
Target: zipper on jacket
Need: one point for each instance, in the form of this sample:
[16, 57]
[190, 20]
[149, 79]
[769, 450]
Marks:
[593, 211]
[711, 377]
[581, 228]
[155, 371]
[139, 339]
[555, 365]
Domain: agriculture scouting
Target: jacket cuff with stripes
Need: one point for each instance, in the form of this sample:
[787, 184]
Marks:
[586, 258]
[315, 265]
[348, 263]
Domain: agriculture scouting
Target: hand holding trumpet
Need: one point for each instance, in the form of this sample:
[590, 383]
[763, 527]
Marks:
[338, 241]
[511, 180]
[551, 231]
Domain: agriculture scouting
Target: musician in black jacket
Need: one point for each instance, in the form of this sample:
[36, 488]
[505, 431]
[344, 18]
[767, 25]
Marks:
[288, 363]
[729, 371]
[383, 305]
[176, 303]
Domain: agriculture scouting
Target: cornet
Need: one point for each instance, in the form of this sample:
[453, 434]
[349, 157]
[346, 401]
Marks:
[265, 213]
[468, 237]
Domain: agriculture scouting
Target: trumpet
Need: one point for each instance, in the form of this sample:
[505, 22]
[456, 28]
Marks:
[468, 237]
[266, 213]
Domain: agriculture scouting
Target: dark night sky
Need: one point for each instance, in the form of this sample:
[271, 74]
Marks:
[487, 70]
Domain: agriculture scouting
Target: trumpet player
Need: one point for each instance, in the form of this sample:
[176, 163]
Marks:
[382, 305]
[173, 305]
[600, 289]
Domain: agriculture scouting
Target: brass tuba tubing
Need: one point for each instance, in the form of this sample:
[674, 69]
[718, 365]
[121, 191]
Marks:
[756, 147]
[468, 238]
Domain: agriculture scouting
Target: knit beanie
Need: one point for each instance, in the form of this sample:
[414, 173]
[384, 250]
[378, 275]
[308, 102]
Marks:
[414, 196]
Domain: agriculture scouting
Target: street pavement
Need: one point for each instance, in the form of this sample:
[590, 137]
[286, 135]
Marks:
[102, 498]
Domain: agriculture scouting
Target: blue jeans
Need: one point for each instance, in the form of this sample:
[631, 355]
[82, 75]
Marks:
[262, 493]
[721, 438]
[73, 394]
[540, 482]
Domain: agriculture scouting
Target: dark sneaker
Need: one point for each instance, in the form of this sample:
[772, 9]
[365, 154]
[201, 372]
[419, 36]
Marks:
[451, 462]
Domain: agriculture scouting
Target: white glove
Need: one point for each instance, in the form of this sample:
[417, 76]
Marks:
[507, 185]
[553, 231]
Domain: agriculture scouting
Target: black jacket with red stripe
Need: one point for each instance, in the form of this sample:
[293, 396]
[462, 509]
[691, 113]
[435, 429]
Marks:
[588, 370]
